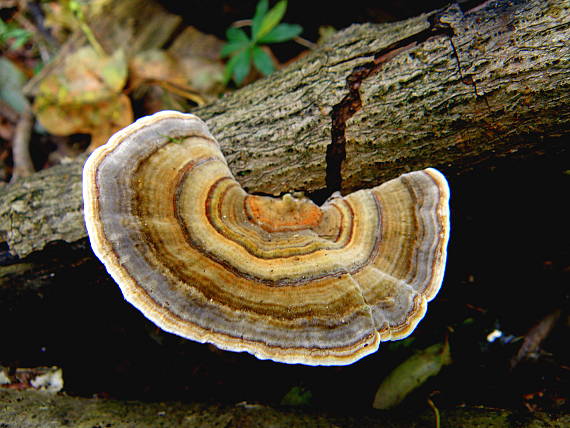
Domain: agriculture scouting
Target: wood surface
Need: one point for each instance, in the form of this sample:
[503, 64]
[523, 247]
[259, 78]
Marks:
[418, 106]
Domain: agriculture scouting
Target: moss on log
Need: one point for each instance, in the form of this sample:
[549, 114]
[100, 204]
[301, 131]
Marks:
[32, 409]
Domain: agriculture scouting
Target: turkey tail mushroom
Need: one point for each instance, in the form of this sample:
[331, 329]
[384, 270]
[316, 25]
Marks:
[281, 278]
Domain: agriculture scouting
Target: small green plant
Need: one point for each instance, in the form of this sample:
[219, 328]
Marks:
[265, 28]
[78, 12]
[12, 36]
[297, 396]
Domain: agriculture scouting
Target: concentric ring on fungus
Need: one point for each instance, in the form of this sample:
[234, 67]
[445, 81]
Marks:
[283, 279]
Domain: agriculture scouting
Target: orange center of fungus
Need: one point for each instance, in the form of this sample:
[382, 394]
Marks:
[287, 213]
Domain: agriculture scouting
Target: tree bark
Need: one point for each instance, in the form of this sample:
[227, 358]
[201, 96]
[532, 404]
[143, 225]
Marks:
[446, 89]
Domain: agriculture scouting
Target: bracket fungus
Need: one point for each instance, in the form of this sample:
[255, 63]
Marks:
[281, 278]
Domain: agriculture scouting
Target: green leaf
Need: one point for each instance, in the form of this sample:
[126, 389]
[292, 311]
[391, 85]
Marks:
[260, 12]
[297, 396]
[242, 66]
[229, 70]
[113, 69]
[238, 66]
[282, 33]
[13, 34]
[232, 47]
[236, 35]
[19, 39]
[262, 61]
[410, 374]
[271, 19]
[11, 84]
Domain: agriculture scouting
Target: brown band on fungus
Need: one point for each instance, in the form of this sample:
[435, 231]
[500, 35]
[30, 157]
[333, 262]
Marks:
[283, 279]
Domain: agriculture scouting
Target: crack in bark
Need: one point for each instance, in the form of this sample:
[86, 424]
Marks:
[352, 102]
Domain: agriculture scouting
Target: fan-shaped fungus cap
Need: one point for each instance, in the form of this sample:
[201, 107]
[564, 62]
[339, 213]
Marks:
[283, 279]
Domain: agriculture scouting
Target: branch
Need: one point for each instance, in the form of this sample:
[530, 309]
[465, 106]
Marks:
[445, 89]
[23, 165]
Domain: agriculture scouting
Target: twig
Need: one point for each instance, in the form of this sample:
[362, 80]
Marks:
[304, 42]
[23, 165]
[242, 23]
[73, 42]
[79, 15]
[45, 43]
[535, 336]
[8, 112]
[91, 38]
[183, 91]
[436, 412]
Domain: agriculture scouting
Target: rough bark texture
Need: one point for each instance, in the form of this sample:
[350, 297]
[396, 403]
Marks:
[33, 409]
[446, 89]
